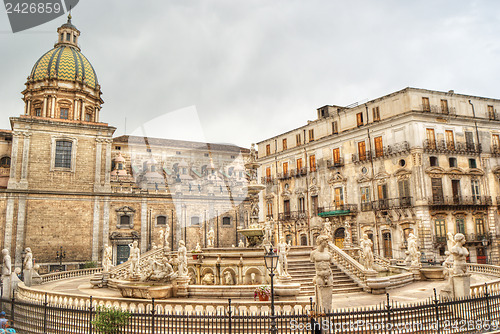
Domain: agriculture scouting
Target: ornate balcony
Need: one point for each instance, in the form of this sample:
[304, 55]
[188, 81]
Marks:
[292, 215]
[366, 206]
[283, 176]
[298, 172]
[332, 163]
[364, 157]
[437, 109]
[440, 239]
[442, 146]
[484, 238]
[460, 201]
[392, 203]
[266, 180]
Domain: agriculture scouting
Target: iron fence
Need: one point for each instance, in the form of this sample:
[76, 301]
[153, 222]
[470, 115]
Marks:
[466, 315]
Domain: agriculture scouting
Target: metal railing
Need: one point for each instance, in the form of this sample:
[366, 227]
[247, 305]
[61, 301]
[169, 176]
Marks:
[266, 180]
[335, 163]
[292, 215]
[437, 109]
[495, 150]
[460, 200]
[443, 146]
[432, 316]
[392, 203]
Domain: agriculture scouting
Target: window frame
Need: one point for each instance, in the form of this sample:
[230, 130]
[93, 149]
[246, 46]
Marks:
[74, 148]
[160, 216]
[359, 119]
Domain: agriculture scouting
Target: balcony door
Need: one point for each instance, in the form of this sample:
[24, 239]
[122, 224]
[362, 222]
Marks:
[437, 190]
[431, 138]
[455, 187]
[382, 196]
[286, 208]
[387, 245]
[404, 193]
[362, 150]
[450, 140]
[339, 237]
[339, 197]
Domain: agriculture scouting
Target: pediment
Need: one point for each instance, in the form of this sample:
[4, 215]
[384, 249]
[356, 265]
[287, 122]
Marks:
[435, 170]
[125, 209]
[337, 178]
[363, 178]
[475, 171]
[402, 171]
[381, 176]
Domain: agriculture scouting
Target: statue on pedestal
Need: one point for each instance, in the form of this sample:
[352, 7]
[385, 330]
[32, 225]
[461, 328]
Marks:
[210, 238]
[347, 234]
[366, 247]
[241, 244]
[458, 278]
[6, 274]
[413, 255]
[107, 258]
[135, 254]
[327, 229]
[460, 254]
[182, 258]
[28, 267]
[268, 232]
[228, 278]
[198, 249]
[283, 249]
[323, 280]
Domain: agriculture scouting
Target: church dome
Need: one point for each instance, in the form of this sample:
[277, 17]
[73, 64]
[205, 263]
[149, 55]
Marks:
[64, 62]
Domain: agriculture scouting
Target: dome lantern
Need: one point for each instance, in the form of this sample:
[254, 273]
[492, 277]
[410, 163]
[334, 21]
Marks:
[68, 35]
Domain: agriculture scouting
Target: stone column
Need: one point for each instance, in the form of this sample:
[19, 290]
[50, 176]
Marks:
[28, 107]
[75, 110]
[98, 154]
[21, 218]
[82, 111]
[107, 166]
[13, 169]
[25, 161]
[144, 225]
[53, 109]
[494, 251]
[45, 105]
[9, 222]
[95, 230]
[105, 222]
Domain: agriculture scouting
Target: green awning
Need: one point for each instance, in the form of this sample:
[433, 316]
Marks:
[195, 172]
[334, 213]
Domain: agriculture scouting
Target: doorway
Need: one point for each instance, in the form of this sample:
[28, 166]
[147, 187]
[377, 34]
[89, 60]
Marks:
[339, 237]
[122, 253]
[387, 245]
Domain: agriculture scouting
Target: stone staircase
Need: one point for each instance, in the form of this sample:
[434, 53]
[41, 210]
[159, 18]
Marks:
[302, 271]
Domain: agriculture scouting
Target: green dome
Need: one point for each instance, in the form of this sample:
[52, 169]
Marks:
[64, 63]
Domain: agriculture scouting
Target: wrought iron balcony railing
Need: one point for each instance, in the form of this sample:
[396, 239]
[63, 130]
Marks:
[366, 206]
[335, 163]
[266, 180]
[358, 158]
[438, 110]
[283, 176]
[460, 201]
[392, 203]
[442, 146]
[481, 237]
[298, 172]
[440, 239]
[292, 215]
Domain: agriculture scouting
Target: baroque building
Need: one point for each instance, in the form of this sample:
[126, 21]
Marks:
[413, 161]
[66, 182]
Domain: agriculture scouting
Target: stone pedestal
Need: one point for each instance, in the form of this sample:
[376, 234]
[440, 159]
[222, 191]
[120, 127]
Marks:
[99, 280]
[324, 298]
[6, 287]
[461, 285]
[416, 272]
[182, 285]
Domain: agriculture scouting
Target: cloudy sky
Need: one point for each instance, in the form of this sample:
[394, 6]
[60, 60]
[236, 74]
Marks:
[234, 71]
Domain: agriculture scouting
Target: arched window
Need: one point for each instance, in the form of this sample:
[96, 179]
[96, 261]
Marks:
[226, 221]
[339, 237]
[5, 162]
[64, 113]
[303, 240]
[161, 220]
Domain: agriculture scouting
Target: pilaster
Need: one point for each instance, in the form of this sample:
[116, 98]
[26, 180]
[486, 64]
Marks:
[21, 220]
[144, 225]
[95, 230]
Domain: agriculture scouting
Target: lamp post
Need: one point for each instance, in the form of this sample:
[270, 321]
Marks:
[60, 255]
[23, 255]
[271, 260]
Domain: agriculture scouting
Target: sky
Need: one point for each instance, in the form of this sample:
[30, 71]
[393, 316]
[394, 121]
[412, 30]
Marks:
[238, 72]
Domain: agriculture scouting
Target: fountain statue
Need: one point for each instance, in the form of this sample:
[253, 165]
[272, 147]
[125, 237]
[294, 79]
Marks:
[367, 252]
[458, 276]
[135, 254]
[323, 280]
[210, 238]
[283, 249]
[28, 267]
[413, 255]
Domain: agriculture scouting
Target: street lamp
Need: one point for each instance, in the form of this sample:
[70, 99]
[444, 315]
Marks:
[60, 255]
[271, 260]
[23, 255]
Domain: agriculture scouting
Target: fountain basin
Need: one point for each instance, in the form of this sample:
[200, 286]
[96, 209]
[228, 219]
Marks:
[432, 273]
[145, 290]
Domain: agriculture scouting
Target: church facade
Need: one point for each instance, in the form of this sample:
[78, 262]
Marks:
[67, 183]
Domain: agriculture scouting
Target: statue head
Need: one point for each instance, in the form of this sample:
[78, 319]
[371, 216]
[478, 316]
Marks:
[135, 243]
[460, 238]
[181, 243]
[27, 250]
[322, 240]
[5, 251]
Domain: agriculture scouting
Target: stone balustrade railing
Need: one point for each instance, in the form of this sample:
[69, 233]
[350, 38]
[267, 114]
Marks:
[349, 265]
[121, 270]
[381, 261]
[141, 305]
[69, 274]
